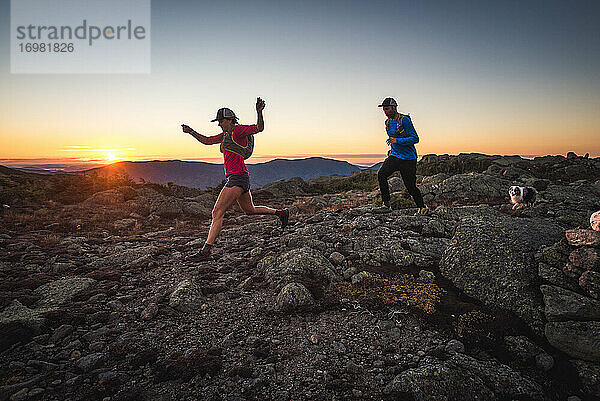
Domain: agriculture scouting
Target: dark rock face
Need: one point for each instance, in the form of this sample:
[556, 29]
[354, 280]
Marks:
[492, 259]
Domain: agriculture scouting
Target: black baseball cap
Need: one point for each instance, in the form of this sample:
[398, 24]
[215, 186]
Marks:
[224, 113]
[388, 101]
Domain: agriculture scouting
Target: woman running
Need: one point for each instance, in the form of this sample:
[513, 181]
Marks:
[236, 145]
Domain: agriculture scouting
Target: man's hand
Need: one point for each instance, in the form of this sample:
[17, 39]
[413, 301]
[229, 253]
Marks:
[187, 129]
[391, 140]
[260, 104]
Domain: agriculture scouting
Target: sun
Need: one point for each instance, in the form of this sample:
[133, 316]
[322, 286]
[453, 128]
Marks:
[111, 157]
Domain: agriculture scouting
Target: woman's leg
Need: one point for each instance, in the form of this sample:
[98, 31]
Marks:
[226, 198]
[245, 202]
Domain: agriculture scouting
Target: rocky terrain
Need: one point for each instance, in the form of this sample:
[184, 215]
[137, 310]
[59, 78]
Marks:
[472, 301]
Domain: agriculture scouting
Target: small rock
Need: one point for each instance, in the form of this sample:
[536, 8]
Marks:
[150, 311]
[544, 361]
[90, 362]
[339, 347]
[256, 251]
[36, 392]
[97, 346]
[454, 347]
[359, 277]
[60, 333]
[20, 395]
[336, 258]
[426, 276]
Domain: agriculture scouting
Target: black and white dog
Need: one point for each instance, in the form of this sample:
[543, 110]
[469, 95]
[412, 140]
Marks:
[522, 196]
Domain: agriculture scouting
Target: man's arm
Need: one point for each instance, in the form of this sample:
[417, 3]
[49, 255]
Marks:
[206, 140]
[260, 122]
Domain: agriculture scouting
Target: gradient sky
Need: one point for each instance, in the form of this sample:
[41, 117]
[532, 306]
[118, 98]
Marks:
[511, 77]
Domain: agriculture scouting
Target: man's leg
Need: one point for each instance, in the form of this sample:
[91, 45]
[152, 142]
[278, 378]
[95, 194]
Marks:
[387, 168]
[408, 171]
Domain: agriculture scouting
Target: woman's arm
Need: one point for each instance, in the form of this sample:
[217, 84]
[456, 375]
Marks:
[206, 140]
[260, 122]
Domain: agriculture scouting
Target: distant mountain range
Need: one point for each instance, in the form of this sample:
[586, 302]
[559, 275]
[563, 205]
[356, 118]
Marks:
[203, 175]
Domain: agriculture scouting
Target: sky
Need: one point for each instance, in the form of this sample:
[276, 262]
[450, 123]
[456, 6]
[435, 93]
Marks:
[512, 77]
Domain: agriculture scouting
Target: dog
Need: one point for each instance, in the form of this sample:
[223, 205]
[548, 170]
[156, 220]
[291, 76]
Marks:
[595, 221]
[522, 196]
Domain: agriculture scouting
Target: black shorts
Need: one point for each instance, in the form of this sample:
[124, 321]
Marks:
[241, 180]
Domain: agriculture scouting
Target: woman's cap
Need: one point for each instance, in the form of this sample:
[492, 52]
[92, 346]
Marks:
[224, 113]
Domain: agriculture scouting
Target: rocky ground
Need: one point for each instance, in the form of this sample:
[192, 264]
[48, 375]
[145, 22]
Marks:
[473, 301]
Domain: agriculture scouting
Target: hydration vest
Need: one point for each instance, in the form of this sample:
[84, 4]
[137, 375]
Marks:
[232, 146]
[399, 127]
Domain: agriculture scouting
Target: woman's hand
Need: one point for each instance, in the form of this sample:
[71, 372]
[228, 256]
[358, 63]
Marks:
[260, 104]
[391, 140]
[187, 129]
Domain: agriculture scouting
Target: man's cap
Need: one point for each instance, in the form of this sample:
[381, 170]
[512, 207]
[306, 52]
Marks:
[224, 113]
[388, 101]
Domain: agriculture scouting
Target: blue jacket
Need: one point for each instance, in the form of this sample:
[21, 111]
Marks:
[404, 148]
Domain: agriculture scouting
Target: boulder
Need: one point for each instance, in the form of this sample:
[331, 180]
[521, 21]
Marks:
[153, 202]
[590, 281]
[186, 297]
[463, 378]
[563, 304]
[585, 258]
[589, 374]
[18, 323]
[291, 187]
[303, 265]
[577, 339]
[128, 257]
[467, 189]
[581, 237]
[58, 292]
[294, 297]
[522, 348]
[492, 259]
[197, 209]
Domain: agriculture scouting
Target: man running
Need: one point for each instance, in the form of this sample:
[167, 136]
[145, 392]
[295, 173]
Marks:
[235, 140]
[402, 156]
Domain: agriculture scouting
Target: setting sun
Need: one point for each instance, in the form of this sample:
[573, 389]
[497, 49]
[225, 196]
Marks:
[111, 157]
